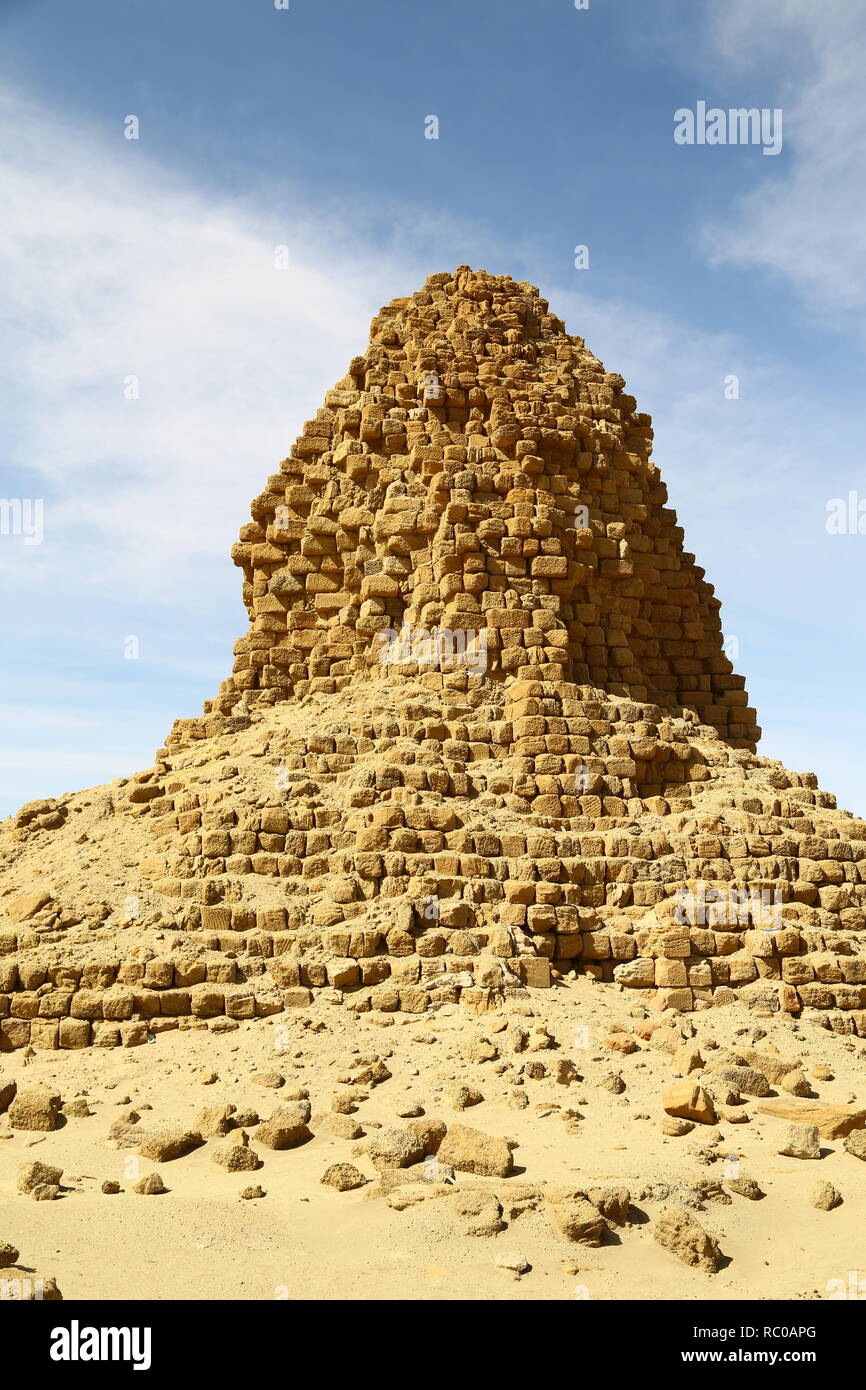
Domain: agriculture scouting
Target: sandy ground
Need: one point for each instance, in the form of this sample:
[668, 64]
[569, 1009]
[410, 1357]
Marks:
[303, 1240]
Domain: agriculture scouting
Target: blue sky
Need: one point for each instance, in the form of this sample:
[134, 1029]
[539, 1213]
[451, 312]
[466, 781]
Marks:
[154, 259]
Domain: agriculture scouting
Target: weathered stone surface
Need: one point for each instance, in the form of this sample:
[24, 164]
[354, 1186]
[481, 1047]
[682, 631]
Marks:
[341, 1126]
[855, 1143]
[745, 1187]
[678, 1231]
[477, 1213]
[614, 1203]
[795, 1083]
[163, 1146]
[343, 1177]
[675, 1127]
[472, 1151]
[429, 1132]
[576, 1218]
[35, 1110]
[236, 1158]
[745, 1079]
[478, 476]
[687, 1059]
[769, 1064]
[394, 1148]
[35, 1174]
[801, 1141]
[687, 1101]
[150, 1186]
[215, 1120]
[286, 1128]
[832, 1121]
[825, 1196]
[26, 906]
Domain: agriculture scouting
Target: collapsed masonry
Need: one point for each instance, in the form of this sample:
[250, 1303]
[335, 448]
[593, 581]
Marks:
[482, 729]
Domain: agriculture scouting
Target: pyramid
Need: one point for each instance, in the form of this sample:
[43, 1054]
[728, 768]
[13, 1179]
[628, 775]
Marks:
[481, 733]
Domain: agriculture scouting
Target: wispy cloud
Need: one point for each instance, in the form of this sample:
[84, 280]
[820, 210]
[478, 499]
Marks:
[807, 222]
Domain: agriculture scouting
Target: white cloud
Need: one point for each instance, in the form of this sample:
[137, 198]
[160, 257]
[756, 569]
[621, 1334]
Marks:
[806, 221]
[113, 269]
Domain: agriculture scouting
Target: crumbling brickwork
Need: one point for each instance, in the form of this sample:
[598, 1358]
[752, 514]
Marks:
[481, 733]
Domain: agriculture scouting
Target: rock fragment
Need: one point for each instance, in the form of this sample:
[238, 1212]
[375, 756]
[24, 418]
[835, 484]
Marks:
[472, 1151]
[678, 1231]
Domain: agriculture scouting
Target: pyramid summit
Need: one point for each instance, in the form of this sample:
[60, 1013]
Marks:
[477, 471]
[480, 735]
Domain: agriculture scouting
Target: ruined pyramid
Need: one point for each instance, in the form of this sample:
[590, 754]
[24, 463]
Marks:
[481, 732]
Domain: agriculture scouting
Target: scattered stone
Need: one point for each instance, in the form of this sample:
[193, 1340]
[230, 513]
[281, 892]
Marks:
[465, 1096]
[77, 1109]
[166, 1145]
[479, 1213]
[855, 1143]
[429, 1133]
[733, 1114]
[250, 1194]
[687, 1059]
[687, 1101]
[151, 1186]
[770, 1064]
[341, 1126]
[833, 1121]
[110, 1187]
[745, 1187]
[801, 1141]
[513, 1262]
[437, 1172]
[35, 1110]
[45, 1192]
[8, 1255]
[127, 1131]
[8, 1087]
[675, 1126]
[35, 1174]
[345, 1177]
[825, 1196]
[795, 1083]
[272, 1080]
[620, 1042]
[23, 908]
[215, 1121]
[575, 1217]
[394, 1148]
[472, 1151]
[287, 1126]
[679, 1232]
[236, 1158]
[614, 1203]
[746, 1079]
